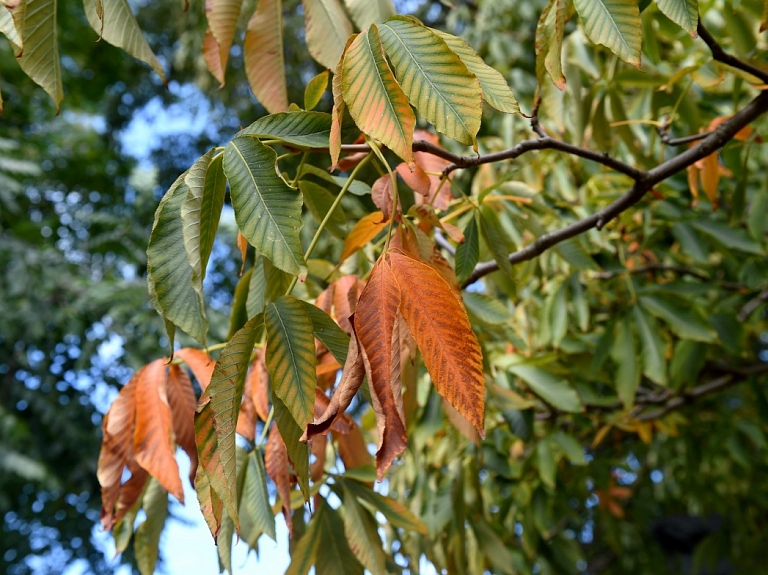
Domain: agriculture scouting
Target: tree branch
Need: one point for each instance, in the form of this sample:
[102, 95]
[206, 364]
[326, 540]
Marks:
[750, 307]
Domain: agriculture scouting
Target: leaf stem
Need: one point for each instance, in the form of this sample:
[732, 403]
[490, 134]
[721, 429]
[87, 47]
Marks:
[295, 181]
[395, 194]
[267, 423]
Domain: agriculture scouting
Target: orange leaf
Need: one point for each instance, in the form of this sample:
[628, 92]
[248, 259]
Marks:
[433, 166]
[200, 363]
[741, 135]
[382, 194]
[182, 400]
[246, 417]
[352, 448]
[351, 379]
[260, 386]
[276, 462]
[153, 438]
[345, 296]
[347, 163]
[363, 232]
[710, 178]
[416, 179]
[242, 245]
[212, 56]
[693, 182]
[375, 325]
[264, 65]
[130, 492]
[440, 325]
[327, 365]
[222, 16]
[317, 468]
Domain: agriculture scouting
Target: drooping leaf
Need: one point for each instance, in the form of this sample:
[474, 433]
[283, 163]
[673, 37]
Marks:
[433, 166]
[395, 512]
[468, 253]
[382, 194]
[495, 238]
[334, 557]
[337, 113]
[221, 401]
[364, 231]
[147, 540]
[654, 358]
[367, 12]
[290, 357]
[624, 353]
[267, 211]
[416, 178]
[212, 57]
[153, 438]
[315, 89]
[728, 237]
[302, 129]
[549, 42]
[169, 273]
[496, 91]
[199, 362]
[304, 553]
[328, 332]
[327, 29]
[684, 13]
[298, 453]
[684, 321]
[710, 178]
[239, 314]
[114, 22]
[264, 60]
[39, 56]
[439, 324]
[130, 495]
[276, 462]
[222, 16]
[615, 24]
[224, 543]
[319, 201]
[375, 100]
[182, 400]
[210, 504]
[554, 391]
[434, 78]
[256, 496]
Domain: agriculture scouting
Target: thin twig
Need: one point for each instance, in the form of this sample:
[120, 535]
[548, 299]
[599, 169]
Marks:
[750, 307]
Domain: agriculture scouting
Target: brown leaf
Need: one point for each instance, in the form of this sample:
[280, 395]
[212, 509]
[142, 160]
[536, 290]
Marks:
[382, 194]
[346, 294]
[433, 166]
[351, 379]
[439, 324]
[200, 363]
[130, 492]
[153, 438]
[317, 468]
[181, 398]
[260, 386]
[276, 462]
[348, 163]
[416, 179]
[352, 448]
[246, 417]
[374, 325]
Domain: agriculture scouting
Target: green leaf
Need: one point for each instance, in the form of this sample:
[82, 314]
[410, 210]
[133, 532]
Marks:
[367, 12]
[291, 432]
[497, 552]
[357, 187]
[546, 463]
[573, 450]
[327, 30]
[728, 237]
[303, 129]
[239, 314]
[328, 332]
[615, 24]
[624, 353]
[361, 533]
[496, 91]
[267, 210]
[654, 359]
[256, 495]
[493, 234]
[267, 284]
[397, 514]
[687, 361]
[684, 321]
[375, 100]
[434, 78]
[290, 357]
[114, 22]
[147, 540]
[549, 42]
[12, 26]
[304, 553]
[684, 13]
[224, 544]
[225, 393]
[576, 255]
[201, 211]
[319, 201]
[334, 557]
[468, 253]
[169, 274]
[39, 57]
[315, 89]
[264, 58]
[554, 391]
[485, 308]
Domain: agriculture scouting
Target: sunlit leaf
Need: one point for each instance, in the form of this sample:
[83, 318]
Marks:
[222, 16]
[182, 400]
[303, 129]
[266, 209]
[615, 24]
[255, 494]
[315, 89]
[367, 12]
[434, 78]
[211, 505]
[684, 13]
[39, 57]
[551, 389]
[11, 25]
[264, 60]
[199, 362]
[549, 42]
[364, 231]
[327, 30]
[468, 253]
[375, 100]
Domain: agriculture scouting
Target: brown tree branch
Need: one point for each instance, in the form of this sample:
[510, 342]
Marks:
[750, 307]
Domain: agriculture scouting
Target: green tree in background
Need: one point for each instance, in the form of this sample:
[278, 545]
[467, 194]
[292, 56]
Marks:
[558, 343]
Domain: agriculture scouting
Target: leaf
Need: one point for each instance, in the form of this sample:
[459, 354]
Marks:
[211, 505]
[276, 461]
[395, 512]
[267, 211]
[364, 231]
[153, 437]
[212, 57]
[684, 13]
[114, 22]
[130, 496]
[222, 16]
[264, 60]
[290, 357]
[416, 178]
[554, 391]
[356, 187]
[304, 553]
[549, 42]
[220, 404]
[485, 308]
[256, 496]
[439, 324]
[239, 314]
[39, 56]
[367, 12]
[624, 353]
[375, 326]
[327, 29]
[334, 557]
[337, 113]
[382, 195]
[572, 449]
[303, 129]
[496, 92]
[200, 212]
[433, 166]
[495, 240]
[319, 202]
[199, 362]
[376, 101]
[328, 332]
[12, 26]
[546, 464]
[169, 273]
[182, 401]
[364, 542]
[654, 359]
[684, 321]
[434, 78]
[710, 178]
[147, 540]
[729, 238]
[315, 89]
[615, 24]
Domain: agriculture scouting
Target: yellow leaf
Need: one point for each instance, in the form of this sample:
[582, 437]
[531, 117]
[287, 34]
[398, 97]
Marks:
[363, 232]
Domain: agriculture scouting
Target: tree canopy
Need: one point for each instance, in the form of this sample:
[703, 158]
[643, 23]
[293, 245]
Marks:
[497, 301]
